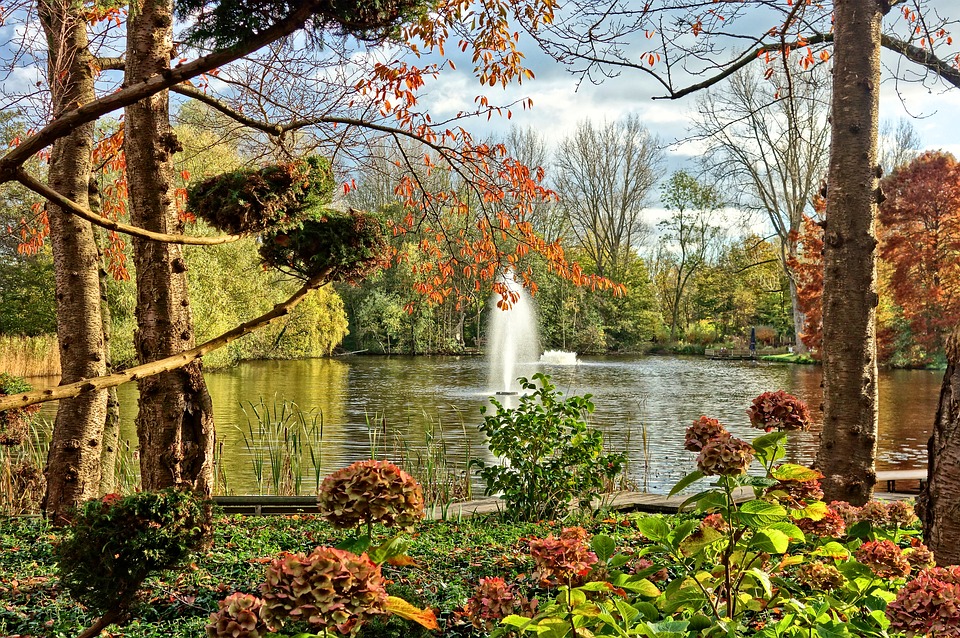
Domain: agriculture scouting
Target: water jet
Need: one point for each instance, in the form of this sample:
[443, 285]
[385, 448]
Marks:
[513, 342]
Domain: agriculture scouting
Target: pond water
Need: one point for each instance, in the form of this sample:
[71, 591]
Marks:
[643, 405]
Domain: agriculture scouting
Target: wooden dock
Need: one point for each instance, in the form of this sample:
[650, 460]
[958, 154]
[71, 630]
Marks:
[620, 501]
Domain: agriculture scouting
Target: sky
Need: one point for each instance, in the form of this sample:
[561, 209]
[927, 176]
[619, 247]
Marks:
[560, 101]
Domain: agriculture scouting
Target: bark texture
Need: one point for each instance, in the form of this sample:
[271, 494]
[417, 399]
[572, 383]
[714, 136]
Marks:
[848, 442]
[73, 463]
[175, 421]
[939, 503]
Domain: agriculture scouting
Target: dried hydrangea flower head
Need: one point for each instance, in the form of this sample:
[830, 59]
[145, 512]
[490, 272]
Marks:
[369, 492]
[329, 588]
[884, 558]
[725, 455]
[778, 411]
[238, 616]
[819, 575]
[919, 555]
[928, 605]
[563, 559]
[493, 600]
[703, 430]
[832, 525]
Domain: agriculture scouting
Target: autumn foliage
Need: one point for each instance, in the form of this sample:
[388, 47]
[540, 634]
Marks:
[807, 268]
[919, 235]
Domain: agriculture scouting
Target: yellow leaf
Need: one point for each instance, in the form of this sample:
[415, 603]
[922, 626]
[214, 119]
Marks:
[400, 607]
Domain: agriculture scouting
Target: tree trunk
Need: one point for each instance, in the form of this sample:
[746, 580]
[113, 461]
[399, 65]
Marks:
[175, 420]
[111, 425]
[848, 442]
[73, 463]
[799, 318]
[939, 503]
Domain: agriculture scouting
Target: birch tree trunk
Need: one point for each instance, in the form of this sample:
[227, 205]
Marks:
[73, 463]
[175, 421]
[848, 442]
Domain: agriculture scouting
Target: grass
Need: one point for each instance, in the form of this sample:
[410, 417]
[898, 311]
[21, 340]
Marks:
[450, 558]
[29, 356]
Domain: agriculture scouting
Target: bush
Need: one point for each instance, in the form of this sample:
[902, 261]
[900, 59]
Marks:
[115, 542]
[550, 455]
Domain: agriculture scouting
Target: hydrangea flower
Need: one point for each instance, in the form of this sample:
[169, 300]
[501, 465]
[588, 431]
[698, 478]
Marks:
[563, 559]
[725, 456]
[928, 605]
[703, 430]
[778, 411]
[369, 492]
[884, 558]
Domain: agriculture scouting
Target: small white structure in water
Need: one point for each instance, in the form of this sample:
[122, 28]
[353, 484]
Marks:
[513, 339]
[559, 358]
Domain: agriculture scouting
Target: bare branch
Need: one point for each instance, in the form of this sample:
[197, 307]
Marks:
[76, 209]
[92, 110]
[169, 363]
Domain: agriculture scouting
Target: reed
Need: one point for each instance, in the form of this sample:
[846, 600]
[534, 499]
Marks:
[279, 439]
[29, 356]
[444, 478]
[21, 471]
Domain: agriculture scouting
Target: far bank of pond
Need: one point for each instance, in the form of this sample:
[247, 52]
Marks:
[643, 405]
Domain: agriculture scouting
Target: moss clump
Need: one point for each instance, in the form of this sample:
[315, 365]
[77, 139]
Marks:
[349, 245]
[274, 197]
[228, 23]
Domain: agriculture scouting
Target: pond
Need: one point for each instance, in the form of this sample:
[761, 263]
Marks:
[403, 405]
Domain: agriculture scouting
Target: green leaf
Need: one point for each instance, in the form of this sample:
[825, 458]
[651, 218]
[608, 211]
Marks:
[793, 472]
[647, 610]
[759, 513]
[688, 598]
[767, 442]
[654, 528]
[763, 578]
[686, 481]
[791, 530]
[603, 546]
[520, 622]
[814, 511]
[682, 531]
[618, 561]
[697, 542]
[833, 549]
[712, 501]
[396, 546]
[355, 544]
[639, 586]
[770, 540]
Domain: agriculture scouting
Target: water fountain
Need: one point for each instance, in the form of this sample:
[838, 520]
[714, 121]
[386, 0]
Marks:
[513, 343]
[559, 358]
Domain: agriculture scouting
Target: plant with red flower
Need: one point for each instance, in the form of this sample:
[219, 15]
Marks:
[493, 600]
[884, 558]
[778, 411]
[371, 491]
[701, 432]
[565, 559]
[725, 455]
[831, 525]
[928, 605]
[238, 616]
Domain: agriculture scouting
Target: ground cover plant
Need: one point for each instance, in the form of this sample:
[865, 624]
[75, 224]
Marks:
[780, 564]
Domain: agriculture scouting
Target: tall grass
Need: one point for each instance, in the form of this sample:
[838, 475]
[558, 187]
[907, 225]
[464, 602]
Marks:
[29, 356]
[280, 438]
[444, 477]
[21, 470]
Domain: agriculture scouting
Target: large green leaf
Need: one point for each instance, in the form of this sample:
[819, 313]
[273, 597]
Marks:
[759, 513]
[654, 528]
[814, 511]
[686, 481]
[791, 530]
[603, 546]
[770, 540]
[695, 543]
[793, 472]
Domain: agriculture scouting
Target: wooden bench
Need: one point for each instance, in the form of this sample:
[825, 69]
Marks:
[892, 476]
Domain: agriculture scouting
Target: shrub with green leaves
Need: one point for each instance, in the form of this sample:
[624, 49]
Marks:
[549, 456]
[115, 543]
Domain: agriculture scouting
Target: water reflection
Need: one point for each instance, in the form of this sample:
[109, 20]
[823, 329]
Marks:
[643, 404]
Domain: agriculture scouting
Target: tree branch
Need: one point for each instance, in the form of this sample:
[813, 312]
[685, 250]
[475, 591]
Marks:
[111, 64]
[72, 207]
[923, 57]
[169, 363]
[124, 97]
